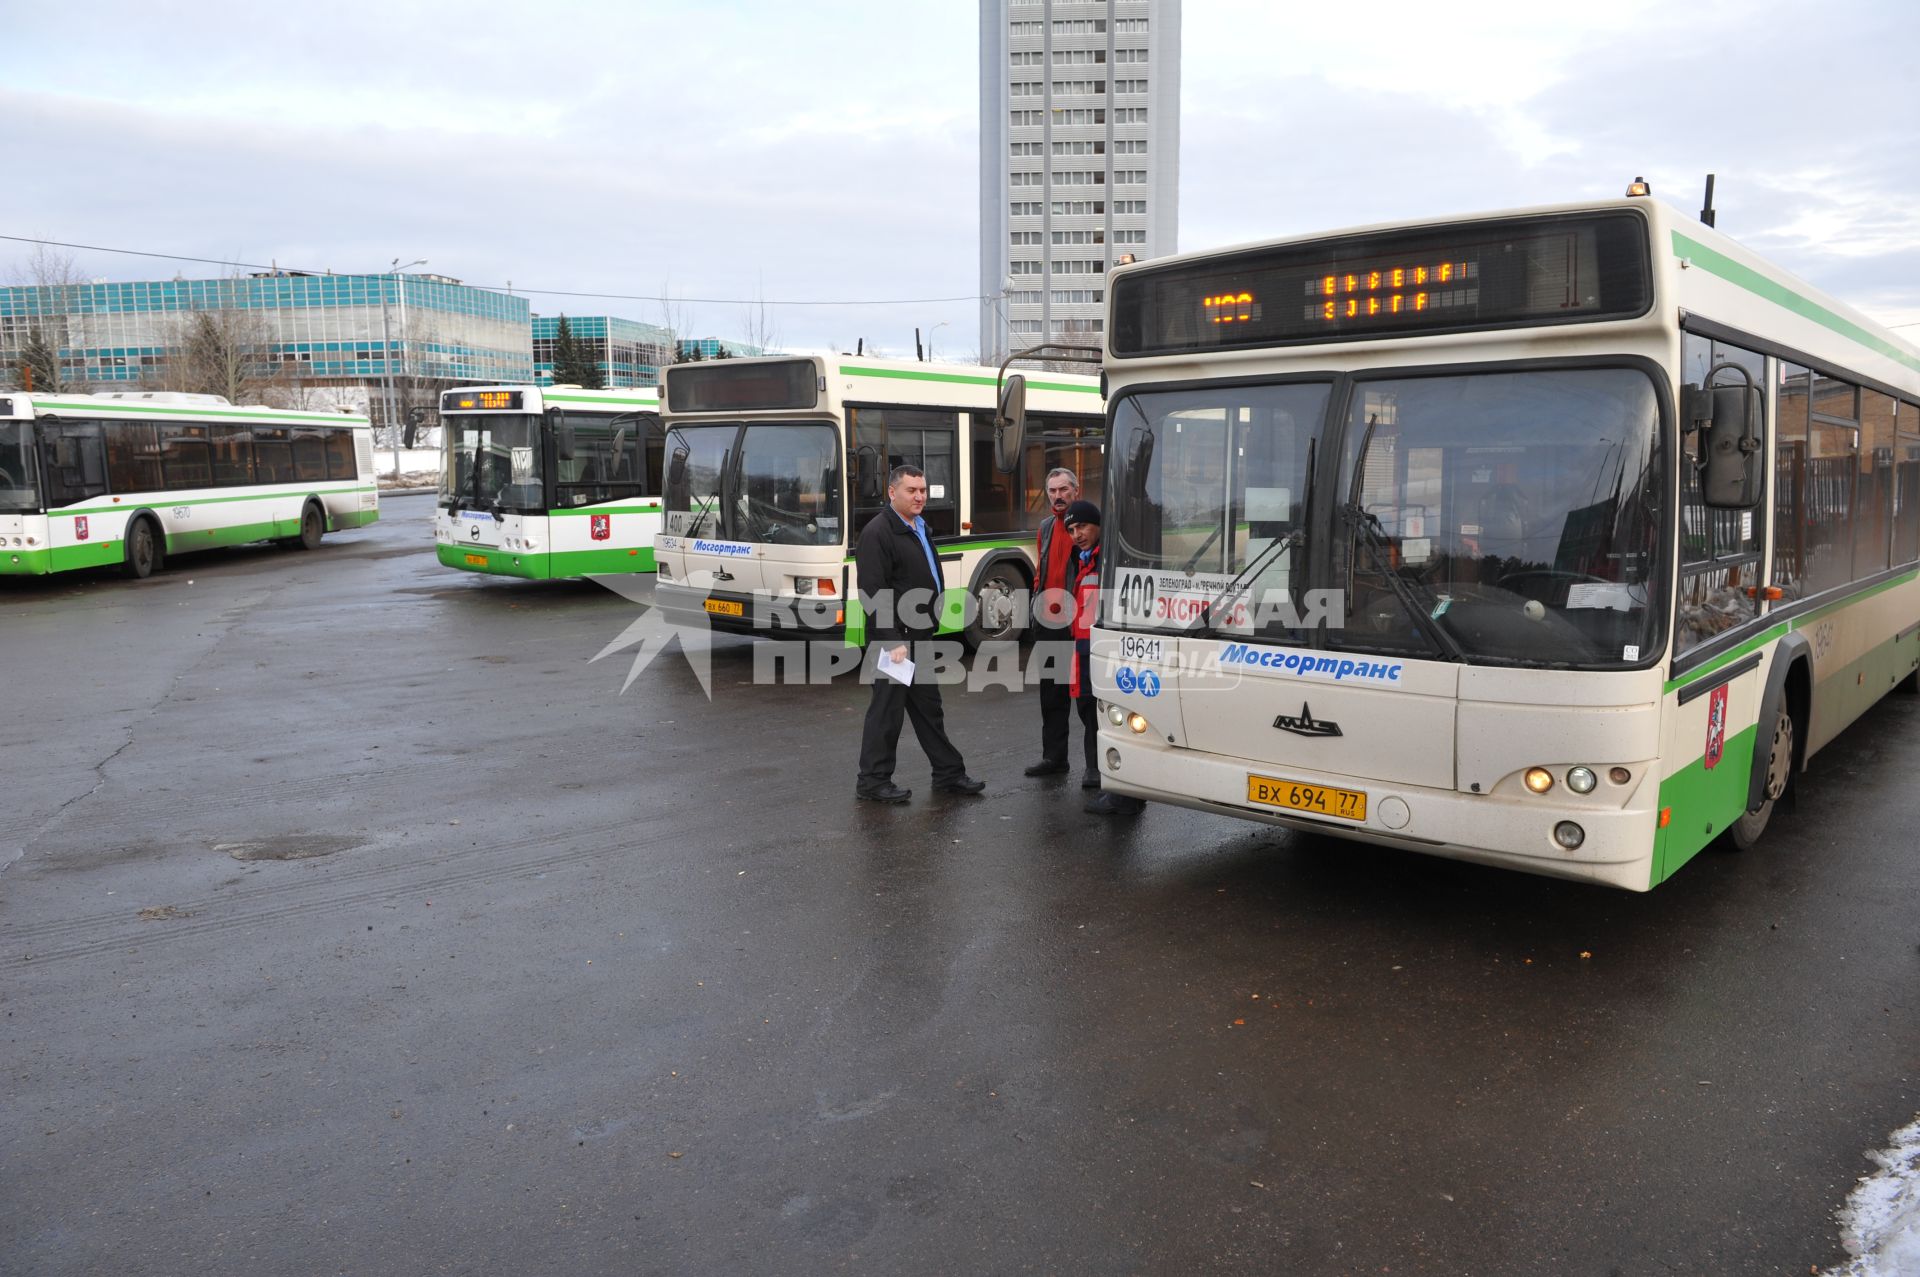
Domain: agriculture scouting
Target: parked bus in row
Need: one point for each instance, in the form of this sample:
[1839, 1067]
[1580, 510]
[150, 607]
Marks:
[773, 466]
[1556, 539]
[125, 479]
[544, 482]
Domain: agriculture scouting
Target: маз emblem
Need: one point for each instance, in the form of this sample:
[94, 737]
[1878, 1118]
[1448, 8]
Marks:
[1306, 724]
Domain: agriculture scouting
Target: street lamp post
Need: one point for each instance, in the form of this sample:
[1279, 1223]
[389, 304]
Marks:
[930, 332]
[386, 356]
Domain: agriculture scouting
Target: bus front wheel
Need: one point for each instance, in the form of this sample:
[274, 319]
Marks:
[996, 599]
[144, 551]
[1746, 830]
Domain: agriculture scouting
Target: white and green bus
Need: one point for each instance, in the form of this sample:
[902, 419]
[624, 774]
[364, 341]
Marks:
[126, 478]
[1557, 539]
[547, 482]
[773, 466]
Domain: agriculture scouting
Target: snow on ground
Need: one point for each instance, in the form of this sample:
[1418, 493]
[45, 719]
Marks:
[1880, 1224]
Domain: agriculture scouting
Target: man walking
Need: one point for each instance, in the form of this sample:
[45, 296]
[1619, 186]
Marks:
[1053, 643]
[900, 587]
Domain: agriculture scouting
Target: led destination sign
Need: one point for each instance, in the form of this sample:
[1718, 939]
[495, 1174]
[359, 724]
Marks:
[745, 386]
[482, 401]
[1477, 275]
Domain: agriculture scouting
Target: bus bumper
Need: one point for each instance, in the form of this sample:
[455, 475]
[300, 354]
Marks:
[1490, 829]
[761, 615]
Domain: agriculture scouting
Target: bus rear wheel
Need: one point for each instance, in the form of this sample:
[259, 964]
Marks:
[1746, 830]
[144, 551]
[996, 600]
[311, 528]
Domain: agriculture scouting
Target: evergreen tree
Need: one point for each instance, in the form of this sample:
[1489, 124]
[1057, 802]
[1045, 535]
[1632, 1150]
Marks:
[42, 361]
[573, 361]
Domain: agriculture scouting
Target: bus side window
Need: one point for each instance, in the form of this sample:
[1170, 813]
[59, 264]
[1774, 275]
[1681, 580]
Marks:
[186, 460]
[272, 456]
[232, 448]
[340, 461]
[133, 457]
[76, 463]
[309, 457]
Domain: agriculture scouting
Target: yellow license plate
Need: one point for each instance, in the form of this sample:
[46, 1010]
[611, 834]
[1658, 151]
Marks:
[726, 607]
[476, 560]
[1316, 800]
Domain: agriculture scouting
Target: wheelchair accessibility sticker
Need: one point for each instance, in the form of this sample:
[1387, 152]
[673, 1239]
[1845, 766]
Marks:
[1145, 682]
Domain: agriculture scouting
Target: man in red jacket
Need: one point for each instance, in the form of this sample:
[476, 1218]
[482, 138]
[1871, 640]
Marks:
[1052, 648]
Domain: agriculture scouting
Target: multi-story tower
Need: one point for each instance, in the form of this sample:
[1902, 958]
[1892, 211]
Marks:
[1079, 159]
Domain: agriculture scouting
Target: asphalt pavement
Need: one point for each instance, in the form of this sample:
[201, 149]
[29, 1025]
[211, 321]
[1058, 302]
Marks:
[354, 920]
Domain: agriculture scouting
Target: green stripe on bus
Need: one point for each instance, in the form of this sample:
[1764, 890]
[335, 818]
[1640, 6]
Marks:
[26, 563]
[543, 566]
[1776, 632]
[606, 399]
[156, 499]
[257, 414]
[962, 379]
[1703, 803]
[577, 511]
[1780, 295]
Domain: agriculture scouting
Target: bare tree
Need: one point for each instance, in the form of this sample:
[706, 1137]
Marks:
[761, 334]
[34, 343]
[224, 350]
[676, 319]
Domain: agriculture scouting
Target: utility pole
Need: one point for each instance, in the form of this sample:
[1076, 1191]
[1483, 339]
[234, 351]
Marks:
[386, 352]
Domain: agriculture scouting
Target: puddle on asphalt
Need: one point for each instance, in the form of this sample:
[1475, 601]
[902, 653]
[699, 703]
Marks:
[291, 847]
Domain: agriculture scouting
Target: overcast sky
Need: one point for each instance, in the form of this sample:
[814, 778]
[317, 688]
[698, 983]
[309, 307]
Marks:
[730, 149]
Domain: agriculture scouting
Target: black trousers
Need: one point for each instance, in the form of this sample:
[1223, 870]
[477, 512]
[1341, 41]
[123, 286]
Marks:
[1055, 645]
[880, 739]
[1089, 708]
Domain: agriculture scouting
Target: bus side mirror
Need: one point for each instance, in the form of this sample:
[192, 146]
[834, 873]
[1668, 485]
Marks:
[1010, 424]
[416, 417]
[1139, 461]
[563, 441]
[677, 472]
[1730, 468]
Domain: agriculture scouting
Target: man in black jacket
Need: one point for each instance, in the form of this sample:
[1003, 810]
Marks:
[900, 588]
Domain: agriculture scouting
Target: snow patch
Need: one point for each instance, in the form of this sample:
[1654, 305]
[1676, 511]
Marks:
[1880, 1224]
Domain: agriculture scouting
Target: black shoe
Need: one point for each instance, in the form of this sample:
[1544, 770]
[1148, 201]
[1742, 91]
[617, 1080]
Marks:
[1105, 804]
[1090, 781]
[887, 793]
[1047, 767]
[959, 785]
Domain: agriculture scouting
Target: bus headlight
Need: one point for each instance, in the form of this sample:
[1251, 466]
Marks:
[1137, 724]
[531, 543]
[1116, 716]
[1581, 780]
[1538, 779]
[1569, 835]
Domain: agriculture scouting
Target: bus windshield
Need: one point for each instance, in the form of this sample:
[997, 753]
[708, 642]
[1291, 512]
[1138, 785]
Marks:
[1502, 517]
[16, 468]
[772, 482]
[493, 462]
[1211, 490]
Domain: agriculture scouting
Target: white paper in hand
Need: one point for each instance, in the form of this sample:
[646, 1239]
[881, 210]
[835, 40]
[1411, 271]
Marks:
[898, 671]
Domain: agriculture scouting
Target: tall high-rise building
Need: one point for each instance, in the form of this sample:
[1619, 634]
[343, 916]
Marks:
[1079, 159]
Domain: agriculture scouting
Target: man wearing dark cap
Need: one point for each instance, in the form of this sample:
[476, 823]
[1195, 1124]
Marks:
[1082, 521]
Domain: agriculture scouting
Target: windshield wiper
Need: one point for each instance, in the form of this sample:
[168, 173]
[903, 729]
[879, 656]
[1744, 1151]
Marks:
[1186, 569]
[699, 516]
[1255, 565]
[1425, 623]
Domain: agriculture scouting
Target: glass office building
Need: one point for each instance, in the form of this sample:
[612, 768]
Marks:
[335, 337]
[629, 353]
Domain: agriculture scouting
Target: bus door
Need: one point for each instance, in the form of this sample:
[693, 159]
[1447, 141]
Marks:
[880, 439]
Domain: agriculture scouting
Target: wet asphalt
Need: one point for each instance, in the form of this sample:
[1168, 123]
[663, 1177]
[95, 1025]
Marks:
[354, 921]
